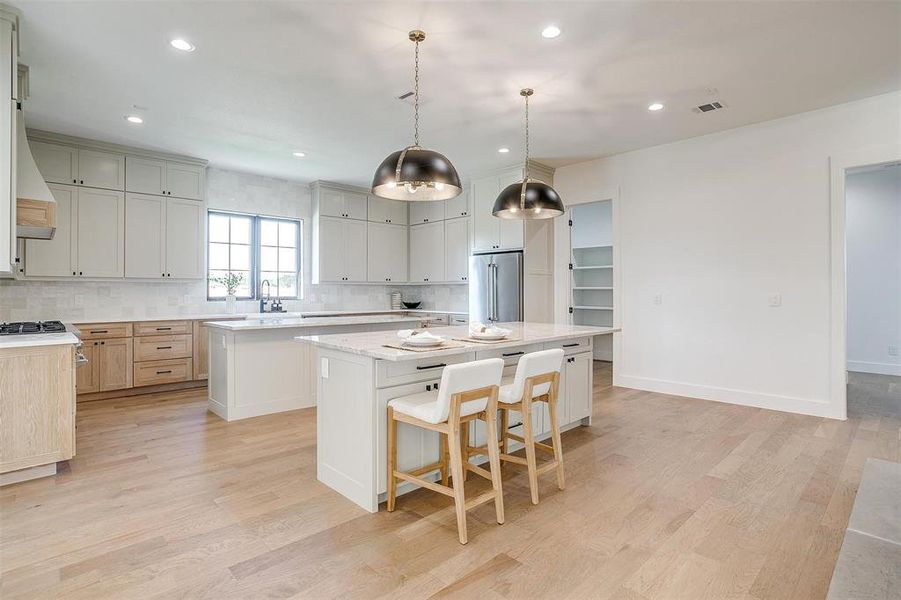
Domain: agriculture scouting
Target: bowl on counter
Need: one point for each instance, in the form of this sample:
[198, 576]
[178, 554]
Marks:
[412, 305]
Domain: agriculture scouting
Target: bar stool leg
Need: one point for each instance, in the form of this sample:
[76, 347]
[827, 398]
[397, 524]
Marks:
[494, 459]
[555, 435]
[464, 444]
[392, 459]
[443, 459]
[456, 463]
[505, 423]
[529, 437]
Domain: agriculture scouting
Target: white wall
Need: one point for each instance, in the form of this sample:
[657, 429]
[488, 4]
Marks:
[227, 190]
[716, 224]
[873, 230]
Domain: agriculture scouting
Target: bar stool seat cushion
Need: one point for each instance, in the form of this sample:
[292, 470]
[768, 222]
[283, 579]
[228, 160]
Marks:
[424, 406]
[530, 365]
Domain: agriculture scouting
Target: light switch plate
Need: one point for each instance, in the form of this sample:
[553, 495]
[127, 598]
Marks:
[658, 299]
[323, 367]
[775, 300]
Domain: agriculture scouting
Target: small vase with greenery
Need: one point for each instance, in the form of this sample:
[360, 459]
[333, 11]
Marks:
[230, 282]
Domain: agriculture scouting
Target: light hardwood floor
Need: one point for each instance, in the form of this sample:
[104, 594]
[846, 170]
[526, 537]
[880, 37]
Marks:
[666, 498]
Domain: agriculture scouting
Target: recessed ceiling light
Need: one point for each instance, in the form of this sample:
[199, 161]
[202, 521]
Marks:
[134, 119]
[503, 150]
[655, 106]
[299, 154]
[183, 45]
[550, 32]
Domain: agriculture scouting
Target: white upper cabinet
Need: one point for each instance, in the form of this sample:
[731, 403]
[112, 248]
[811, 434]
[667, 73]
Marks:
[387, 211]
[145, 175]
[456, 250]
[163, 177]
[489, 232]
[387, 255]
[184, 239]
[59, 163]
[426, 212]
[184, 180]
[457, 207]
[337, 202]
[145, 235]
[340, 250]
[55, 257]
[101, 169]
[355, 240]
[427, 252]
[100, 233]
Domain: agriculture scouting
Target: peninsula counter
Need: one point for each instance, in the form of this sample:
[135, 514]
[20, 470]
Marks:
[357, 376]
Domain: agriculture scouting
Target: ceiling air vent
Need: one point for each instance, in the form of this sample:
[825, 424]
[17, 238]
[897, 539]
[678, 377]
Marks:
[709, 107]
[404, 96]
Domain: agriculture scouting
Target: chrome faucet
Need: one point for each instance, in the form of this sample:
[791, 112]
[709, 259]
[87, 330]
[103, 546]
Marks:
[263, 300]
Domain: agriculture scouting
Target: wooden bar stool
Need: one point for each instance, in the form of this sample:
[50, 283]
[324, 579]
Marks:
[467, 391]
[537, 379]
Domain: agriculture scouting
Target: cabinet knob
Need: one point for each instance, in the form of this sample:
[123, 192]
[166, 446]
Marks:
[81, 182]
[74, 181]
[80, 273]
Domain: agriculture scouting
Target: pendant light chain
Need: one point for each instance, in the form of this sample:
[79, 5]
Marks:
[416, 97]
[527, 136]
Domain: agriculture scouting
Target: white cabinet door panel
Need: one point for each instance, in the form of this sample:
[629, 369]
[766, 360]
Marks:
[426, 212]
[484, 224]
[184, 181]
[387, 256]
[457, 207]
[387, 211]
[331, 249]
[53, 258]
[331, 203]
[145, 235]
[354, 241]
[101, 169]
[57, 163]
[427, 252]
[145, 175]
[184, 239]
[100, 233]
[578, 388]
[456, 249]
[356, 206]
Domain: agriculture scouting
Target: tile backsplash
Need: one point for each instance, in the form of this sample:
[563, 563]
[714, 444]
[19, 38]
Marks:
[227, 190]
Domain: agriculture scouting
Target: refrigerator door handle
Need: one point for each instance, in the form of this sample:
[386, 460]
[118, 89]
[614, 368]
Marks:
[492, 283]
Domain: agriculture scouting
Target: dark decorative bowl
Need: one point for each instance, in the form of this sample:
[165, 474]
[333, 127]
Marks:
[412, 304]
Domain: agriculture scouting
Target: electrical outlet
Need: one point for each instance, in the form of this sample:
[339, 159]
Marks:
[775, 300]
[893, 350]
[658, 299]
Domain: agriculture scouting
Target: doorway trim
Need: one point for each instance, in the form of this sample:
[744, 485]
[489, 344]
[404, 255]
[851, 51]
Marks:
[838, 311]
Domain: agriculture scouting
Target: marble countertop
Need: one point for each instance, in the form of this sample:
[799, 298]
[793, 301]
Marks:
[372, 344]
[256, 315]
[313, 321]
[38, 339]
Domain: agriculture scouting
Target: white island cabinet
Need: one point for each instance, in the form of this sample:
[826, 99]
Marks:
[357, 375]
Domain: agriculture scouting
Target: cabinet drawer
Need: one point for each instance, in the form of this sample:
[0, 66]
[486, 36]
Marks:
[100, 331]
[436, 319]
[459, 319]
[159, 347]
[511, 356]
[571, 346]
[389, 373]
[155, 372]
[162, 327]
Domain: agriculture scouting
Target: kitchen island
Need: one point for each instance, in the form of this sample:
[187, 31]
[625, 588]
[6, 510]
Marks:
[256, 368]
[357, 375]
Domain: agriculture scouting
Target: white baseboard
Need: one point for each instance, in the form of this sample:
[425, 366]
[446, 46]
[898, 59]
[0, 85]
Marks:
[804, 406]
[874, 367]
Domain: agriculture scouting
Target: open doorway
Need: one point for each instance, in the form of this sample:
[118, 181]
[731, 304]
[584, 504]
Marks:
[873, 282]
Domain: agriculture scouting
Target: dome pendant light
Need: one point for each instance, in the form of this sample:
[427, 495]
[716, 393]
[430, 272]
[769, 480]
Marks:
[414, 173]
[529, 198]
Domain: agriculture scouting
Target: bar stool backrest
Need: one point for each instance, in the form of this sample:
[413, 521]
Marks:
[465, 377]
[536, 363]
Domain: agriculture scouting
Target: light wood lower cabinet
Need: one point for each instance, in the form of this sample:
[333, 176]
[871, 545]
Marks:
[37, 414]
[162, 327]
[115, 360]
[87, 376]
[160, 347]
[156, 372]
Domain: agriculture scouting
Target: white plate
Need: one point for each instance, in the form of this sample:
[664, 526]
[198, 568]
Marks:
[423, 342]
[488, 336]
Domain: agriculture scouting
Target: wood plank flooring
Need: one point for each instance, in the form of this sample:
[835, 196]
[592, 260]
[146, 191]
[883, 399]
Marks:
[666, 498]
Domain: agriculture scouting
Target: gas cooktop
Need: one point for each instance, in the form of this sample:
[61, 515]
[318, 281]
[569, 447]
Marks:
[32, 327]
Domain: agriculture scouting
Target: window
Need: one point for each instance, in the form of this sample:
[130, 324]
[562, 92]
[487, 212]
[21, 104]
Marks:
[256, 249]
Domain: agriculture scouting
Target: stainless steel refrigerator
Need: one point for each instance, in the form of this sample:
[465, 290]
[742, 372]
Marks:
[495, 287]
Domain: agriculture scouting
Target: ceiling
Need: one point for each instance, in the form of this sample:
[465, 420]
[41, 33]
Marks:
[270, 78]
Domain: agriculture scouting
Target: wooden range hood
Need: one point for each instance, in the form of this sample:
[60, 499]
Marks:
[35, 205]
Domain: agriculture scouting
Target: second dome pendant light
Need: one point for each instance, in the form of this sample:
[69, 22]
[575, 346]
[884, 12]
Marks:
[528, 199]
[415, 173]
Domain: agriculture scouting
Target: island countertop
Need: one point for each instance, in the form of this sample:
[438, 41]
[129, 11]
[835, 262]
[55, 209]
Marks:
[372, 344]
[312, 321]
